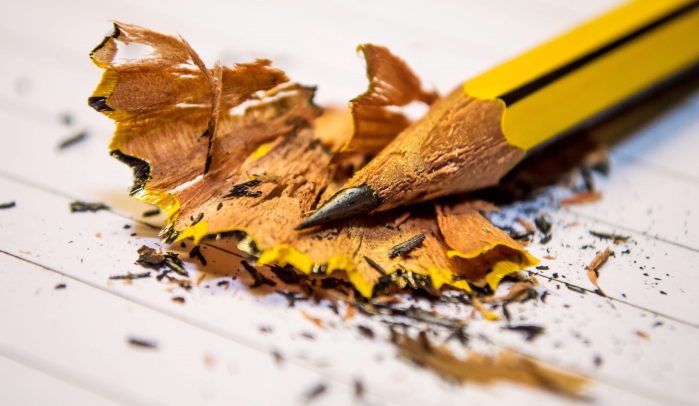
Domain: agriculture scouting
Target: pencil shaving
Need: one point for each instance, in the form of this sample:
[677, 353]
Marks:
[506, 366]
[391, 84]
[515, 291]
[582, 198]
[234, 152]
[596, 264]
[478, 246]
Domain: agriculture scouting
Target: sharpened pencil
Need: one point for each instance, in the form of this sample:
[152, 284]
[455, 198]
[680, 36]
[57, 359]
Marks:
[475, 135]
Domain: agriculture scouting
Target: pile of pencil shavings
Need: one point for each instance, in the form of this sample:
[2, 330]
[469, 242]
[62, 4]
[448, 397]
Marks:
[241, 153]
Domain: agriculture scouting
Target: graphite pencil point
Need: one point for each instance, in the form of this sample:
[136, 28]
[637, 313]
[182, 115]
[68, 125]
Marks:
[344, 204]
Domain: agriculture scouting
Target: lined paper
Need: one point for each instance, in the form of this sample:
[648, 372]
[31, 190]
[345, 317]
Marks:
[71, 345]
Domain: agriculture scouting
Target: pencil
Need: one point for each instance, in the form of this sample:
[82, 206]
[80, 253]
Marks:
[472, 137]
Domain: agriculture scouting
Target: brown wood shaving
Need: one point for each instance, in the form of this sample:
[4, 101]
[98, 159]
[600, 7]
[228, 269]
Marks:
[642, 334]
[483, 206]
[487, 314]
[515, 291]
[246, 124]
[392, 84]
[581, 198]
[315, 320]
[401, 219]
[480, 369]
[350, 312]
[388, 300]
[597, 262]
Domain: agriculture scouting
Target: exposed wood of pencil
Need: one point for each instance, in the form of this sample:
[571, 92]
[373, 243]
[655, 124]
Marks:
[460, 146]
[457, 147]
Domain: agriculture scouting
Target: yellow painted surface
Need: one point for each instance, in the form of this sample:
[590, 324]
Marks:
[595, 86]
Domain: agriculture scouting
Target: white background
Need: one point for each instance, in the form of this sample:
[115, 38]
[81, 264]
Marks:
[70, 346]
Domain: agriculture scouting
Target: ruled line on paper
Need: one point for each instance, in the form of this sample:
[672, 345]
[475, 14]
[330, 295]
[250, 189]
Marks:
[626, 307]
[238, 256]
[528, 354]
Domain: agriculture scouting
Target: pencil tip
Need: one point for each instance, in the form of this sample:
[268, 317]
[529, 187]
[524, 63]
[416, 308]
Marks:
[344, 204]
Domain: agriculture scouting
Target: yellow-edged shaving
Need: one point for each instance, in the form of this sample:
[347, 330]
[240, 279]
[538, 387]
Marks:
[267, 171]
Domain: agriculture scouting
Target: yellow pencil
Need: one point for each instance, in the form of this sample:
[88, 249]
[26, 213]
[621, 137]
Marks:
[475, 135]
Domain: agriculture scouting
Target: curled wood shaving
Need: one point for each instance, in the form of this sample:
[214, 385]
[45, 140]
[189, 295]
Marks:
[234, 152]
[391, 84]
[478, 246]
[597, 262]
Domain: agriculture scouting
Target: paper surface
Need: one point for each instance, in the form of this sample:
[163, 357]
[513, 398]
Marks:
[71, 345]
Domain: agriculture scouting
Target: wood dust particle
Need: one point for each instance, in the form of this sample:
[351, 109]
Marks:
[142, 343]
[315, 320]
[315, 392]
[350, 312]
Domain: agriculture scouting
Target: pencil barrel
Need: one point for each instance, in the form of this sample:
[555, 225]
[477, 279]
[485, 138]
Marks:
[592, 68]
